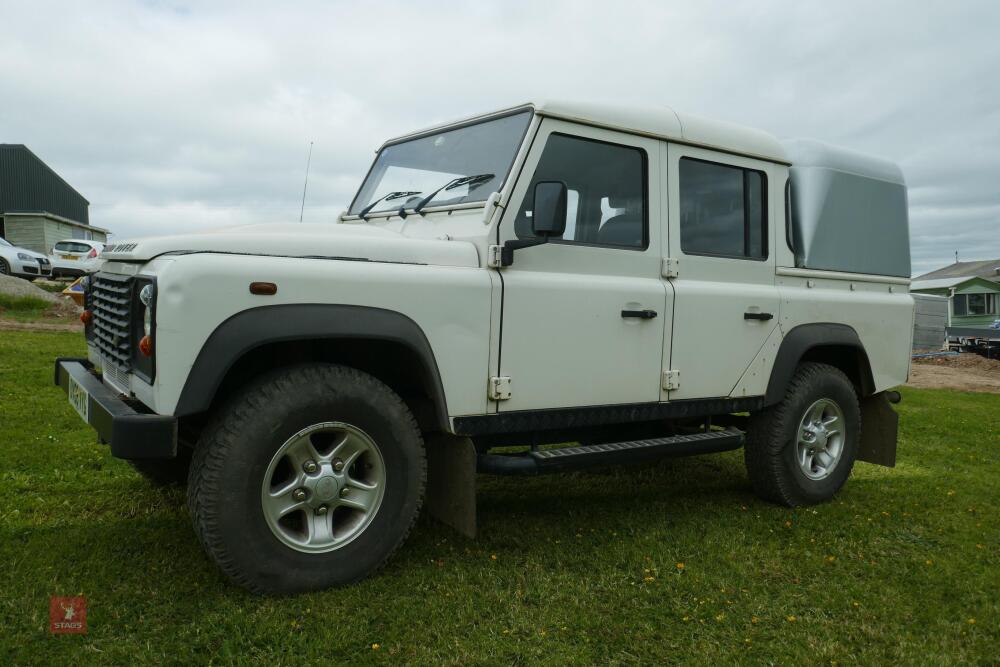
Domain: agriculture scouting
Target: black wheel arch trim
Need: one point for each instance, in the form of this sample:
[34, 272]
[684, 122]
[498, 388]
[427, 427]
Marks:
[249, 329]
[800, 341]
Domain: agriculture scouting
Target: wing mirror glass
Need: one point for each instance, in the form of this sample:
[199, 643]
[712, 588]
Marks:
[548, 219]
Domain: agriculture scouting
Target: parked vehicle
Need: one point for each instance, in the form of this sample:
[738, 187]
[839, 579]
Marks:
[75, 257]
[640, 282]
[22, 262]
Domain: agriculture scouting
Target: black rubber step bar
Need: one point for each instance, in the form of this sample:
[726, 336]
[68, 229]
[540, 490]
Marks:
[562, 459]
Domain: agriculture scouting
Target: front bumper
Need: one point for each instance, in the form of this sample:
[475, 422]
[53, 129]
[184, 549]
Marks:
[77, 268]
[32, 268]
[132, 435]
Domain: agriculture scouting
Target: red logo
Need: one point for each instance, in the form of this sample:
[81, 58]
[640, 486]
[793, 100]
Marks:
[67, 615]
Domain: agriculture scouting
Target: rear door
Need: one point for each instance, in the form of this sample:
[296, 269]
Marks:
[570, 334]
[726, 301]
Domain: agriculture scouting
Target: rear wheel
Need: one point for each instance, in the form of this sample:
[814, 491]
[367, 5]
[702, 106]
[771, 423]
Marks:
[802, 450]
[310, 478]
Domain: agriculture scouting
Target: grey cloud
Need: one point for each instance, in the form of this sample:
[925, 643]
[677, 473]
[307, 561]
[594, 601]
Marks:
[174, 116]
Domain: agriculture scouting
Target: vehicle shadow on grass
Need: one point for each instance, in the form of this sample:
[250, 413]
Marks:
[155, 553]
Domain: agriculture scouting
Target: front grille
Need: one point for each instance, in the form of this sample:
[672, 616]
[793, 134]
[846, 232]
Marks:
[118, 378]
[110, 303]
[43, 261]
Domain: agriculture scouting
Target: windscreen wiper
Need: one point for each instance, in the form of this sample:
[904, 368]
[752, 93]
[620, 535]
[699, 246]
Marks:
[388, 197]
[451, 185]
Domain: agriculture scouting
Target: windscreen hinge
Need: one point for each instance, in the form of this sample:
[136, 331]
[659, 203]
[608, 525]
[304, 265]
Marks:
[493, 254]
[671, 380]
[669, 268]
[499, 388]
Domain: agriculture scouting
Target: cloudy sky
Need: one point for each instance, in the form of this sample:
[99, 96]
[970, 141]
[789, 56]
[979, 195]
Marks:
[170, 116]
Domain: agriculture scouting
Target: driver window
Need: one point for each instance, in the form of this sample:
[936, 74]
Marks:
[606, 192]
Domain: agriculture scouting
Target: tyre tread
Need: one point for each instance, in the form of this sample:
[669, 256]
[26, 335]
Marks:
[764, 439]
[221, 436]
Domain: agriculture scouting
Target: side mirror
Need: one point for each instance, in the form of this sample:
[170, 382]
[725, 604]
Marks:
[548, 217]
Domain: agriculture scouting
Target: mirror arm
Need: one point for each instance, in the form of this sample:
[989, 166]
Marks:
[507, 251]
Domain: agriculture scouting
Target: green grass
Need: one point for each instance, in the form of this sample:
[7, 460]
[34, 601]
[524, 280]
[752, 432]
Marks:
[22, 304]
[578, 568]
[54, 287]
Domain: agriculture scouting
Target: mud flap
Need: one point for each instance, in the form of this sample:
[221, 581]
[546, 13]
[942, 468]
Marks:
[879, 430]
[451, 481]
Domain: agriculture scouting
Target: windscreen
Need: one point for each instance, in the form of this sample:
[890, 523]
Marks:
[407, 172]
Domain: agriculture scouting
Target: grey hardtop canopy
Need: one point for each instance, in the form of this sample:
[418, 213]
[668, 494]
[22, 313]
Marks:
[848, 211]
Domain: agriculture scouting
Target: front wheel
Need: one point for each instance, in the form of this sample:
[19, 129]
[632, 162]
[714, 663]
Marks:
[802, 450]
[310, 478]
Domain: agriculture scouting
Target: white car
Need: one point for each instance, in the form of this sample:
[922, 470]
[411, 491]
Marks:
[22, 262]
[75, 257]
[640, 282]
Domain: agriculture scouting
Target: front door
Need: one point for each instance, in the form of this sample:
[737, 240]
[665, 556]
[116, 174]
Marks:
[726, 301]
[578, 325]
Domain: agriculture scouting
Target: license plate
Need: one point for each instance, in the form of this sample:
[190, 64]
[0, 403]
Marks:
[79, 399]
[68, 256]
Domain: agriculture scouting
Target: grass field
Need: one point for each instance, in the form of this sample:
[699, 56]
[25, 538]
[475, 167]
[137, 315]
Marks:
[674, 563]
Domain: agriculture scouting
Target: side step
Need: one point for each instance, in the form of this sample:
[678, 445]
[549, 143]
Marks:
[576, 458]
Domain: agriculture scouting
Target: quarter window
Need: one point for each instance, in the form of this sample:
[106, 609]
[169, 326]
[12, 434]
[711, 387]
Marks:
[606, 183]
[723, 210]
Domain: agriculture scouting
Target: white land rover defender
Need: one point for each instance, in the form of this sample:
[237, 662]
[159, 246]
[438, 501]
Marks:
[632, 282]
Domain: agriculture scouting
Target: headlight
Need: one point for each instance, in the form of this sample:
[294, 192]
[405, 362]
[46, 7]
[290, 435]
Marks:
[146, 298]
[25, 256]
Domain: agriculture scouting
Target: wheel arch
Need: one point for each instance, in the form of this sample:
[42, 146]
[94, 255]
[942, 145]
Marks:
[384, 343]
[825, 342]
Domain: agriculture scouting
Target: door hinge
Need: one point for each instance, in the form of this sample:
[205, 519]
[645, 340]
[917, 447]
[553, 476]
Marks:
[671, 380]
[493, 254]
[499, 388]
[669, 268]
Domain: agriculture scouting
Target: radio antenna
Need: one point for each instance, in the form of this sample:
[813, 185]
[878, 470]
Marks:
[306, 184]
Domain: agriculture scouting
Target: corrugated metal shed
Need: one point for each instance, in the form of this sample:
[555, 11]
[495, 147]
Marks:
[929, 322]
[29, 185]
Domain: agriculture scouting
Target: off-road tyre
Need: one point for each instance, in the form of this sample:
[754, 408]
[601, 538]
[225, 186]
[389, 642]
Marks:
[771, 441]
[166, 472]
[233, 453]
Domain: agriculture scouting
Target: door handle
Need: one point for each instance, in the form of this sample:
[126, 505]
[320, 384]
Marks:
[757, 316]
[641, 314]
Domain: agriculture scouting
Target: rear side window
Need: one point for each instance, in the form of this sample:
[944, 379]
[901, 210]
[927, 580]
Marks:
[606, 192]
[69, 246]
[723, 210]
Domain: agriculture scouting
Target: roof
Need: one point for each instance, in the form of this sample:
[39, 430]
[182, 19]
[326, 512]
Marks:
[57, 218]
[941, 283]
[805, 153]
[29, 185]
[984, 268]
[660, 122]
[938, 283]
[665, 123]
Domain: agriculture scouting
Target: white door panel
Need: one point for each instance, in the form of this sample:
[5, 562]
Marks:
[564, 342]
[712, 343]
